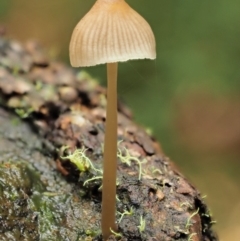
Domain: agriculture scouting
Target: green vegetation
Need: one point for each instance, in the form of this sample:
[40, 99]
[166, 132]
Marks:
[190, 238]
[83, 163]
[23, 113]
[119, 235]
[126, 212]
[142, 224]
[128, 158]
[79, 158]
[188, 224]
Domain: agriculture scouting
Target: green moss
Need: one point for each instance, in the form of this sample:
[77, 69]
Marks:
[38, 209]
[17, 210]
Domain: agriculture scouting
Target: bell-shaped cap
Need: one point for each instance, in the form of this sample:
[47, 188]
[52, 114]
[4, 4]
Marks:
[111, 32]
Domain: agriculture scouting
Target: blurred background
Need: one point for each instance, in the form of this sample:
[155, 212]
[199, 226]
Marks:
[189, 97]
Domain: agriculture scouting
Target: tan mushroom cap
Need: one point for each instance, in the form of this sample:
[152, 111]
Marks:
[111, 32]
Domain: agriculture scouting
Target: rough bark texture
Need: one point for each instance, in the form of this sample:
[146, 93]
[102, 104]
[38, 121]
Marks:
[44, 196]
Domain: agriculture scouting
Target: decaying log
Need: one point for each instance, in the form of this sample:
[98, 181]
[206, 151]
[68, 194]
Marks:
[44, 196]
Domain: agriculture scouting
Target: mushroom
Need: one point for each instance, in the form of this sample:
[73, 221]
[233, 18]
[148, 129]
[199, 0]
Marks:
[111, 32]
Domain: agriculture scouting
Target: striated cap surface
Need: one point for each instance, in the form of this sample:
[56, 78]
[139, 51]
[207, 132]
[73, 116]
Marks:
[111, 32]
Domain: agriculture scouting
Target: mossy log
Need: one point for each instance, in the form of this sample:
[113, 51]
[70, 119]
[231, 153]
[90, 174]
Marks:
[48, 114]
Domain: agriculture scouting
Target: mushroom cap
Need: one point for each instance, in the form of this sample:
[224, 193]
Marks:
[111, 32]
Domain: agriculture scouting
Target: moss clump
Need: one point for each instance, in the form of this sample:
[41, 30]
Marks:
[35, 207]
[18, 215]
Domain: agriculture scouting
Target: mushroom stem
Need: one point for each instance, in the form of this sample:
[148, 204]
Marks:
[110, 155]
